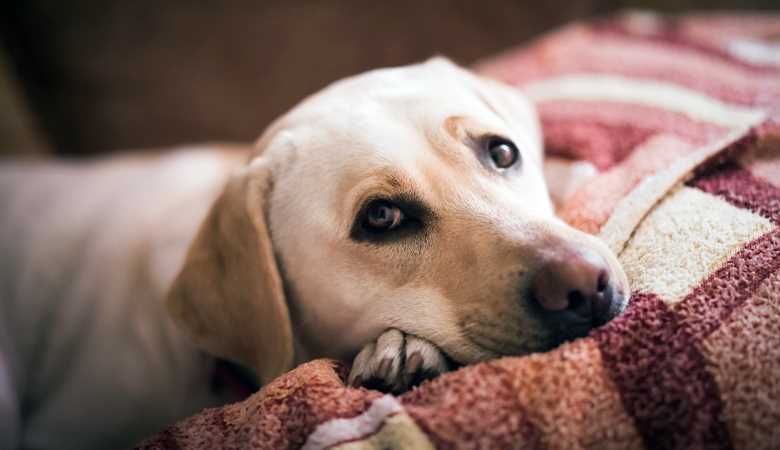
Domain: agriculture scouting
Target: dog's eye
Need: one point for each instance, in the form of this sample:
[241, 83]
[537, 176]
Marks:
[381, 215]
[385, 220]
[503, 152]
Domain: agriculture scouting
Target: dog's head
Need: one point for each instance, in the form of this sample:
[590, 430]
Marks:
[410, 198]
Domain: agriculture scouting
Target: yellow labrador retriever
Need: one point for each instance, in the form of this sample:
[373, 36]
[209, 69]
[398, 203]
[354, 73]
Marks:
[399, 218]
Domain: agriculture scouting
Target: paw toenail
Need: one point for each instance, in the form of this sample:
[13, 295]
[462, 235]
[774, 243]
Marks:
[383, 371]
[413, 363]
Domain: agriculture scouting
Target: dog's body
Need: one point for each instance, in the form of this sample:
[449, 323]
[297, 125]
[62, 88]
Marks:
[399, 217]
[89, 356]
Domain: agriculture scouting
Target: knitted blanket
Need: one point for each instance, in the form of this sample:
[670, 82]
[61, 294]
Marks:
[681, 118]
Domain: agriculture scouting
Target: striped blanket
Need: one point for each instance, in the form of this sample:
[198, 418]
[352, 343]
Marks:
[680, 117]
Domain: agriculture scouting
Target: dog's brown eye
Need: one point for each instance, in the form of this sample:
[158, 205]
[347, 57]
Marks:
[391, 220]
[382, 215]
[503, 152]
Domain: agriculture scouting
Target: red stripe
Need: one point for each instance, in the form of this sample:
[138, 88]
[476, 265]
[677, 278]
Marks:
[662, 378]
[601, 144]
[731, 153]
[478, 408]
[605, 133]
[281, 416]
[672, 34]
[578, 50]
[712, 302]
[740, 188]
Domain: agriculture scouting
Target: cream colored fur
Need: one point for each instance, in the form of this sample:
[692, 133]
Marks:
[271, 276]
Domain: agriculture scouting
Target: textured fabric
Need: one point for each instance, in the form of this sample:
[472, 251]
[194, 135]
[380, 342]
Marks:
[681, 116]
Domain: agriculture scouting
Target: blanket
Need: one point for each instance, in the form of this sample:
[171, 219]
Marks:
[680, 117]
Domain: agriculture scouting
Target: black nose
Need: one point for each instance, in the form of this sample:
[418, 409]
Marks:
[577, 284]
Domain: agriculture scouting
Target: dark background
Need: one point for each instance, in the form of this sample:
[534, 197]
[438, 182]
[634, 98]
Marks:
[85, 77]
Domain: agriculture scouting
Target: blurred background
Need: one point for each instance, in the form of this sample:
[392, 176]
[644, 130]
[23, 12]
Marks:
[85, 77]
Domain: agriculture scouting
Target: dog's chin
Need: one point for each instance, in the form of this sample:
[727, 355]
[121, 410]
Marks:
[570, 333]
[505, 346]
[558, 337]
[453, 363]
[559, 332]
[567, 332]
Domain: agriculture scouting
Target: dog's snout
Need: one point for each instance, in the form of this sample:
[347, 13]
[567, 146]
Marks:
[577, 285]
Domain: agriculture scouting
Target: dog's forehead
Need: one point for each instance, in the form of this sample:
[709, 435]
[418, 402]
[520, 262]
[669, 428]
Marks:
[435, 78]
[386, 114]
[424, 93]
[376, 137]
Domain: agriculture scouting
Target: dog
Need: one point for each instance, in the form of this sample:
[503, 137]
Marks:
[398, 219]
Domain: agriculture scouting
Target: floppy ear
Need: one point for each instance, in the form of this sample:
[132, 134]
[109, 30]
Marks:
[228, 296]
[508, 102]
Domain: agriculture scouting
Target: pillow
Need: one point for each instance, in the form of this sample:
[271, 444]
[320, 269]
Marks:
[679, 115]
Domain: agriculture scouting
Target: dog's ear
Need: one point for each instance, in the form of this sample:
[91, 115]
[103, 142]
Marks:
[229, 296]
[508, 102]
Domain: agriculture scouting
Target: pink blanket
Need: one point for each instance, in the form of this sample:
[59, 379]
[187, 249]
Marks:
[681, 118]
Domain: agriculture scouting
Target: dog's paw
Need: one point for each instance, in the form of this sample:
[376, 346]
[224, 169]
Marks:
[396, 362]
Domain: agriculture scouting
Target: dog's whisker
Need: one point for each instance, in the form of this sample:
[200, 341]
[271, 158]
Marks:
[492, 328]
[499, 345]
[485, 345]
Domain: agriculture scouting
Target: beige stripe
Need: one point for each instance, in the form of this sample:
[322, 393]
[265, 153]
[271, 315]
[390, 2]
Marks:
[597, 87]
[685, 238]
[398, 432]
[630, 211]
[756, 52]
